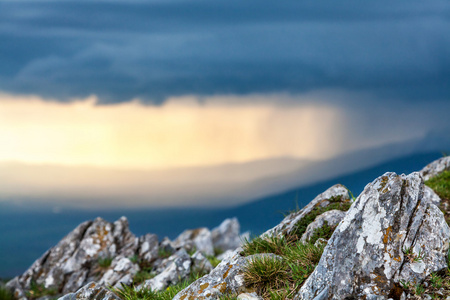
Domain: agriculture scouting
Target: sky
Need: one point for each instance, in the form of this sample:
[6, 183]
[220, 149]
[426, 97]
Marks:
[185, 100]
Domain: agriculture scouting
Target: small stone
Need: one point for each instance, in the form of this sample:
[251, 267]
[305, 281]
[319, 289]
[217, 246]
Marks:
[249, 296]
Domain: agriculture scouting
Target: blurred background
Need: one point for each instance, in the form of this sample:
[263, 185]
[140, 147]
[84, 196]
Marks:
[178, 114]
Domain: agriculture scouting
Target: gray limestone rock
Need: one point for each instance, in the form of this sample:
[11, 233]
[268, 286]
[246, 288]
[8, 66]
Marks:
[224, 279]
[200, 263]
[121, 271]
[322, 200]
[435, 168]
[332, 219]
[73, 261]
[225, 255]
[16, 288]
[177, 270]
[148, 247]
[195, 239]
[391, 233]
[226, 236]
[430, 194]
[91, 291]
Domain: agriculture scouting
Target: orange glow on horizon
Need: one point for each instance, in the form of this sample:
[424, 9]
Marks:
[180, 133]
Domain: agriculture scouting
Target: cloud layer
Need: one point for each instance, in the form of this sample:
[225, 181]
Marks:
[120, 50]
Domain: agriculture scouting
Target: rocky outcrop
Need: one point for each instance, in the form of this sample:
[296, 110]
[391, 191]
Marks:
[110, 255]
[178, 269]
[392, 233]
[74, 261]
[226, 278]
[91, 291]
[335, 193]
[196, 239]
[226, 236]
[121, 271]
[435, 168]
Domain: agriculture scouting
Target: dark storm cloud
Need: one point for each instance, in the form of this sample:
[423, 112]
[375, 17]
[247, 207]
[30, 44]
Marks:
[156, 49]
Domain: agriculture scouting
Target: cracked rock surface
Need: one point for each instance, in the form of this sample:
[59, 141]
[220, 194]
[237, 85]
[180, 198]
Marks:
[392, 232]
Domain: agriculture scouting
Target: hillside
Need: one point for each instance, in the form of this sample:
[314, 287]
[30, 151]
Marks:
[392, 241]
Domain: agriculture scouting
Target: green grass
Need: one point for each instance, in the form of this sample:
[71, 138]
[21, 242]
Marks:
[281, 278]
[336, 203]
[104, 262]
[266, 274]
[38, 290]
[134, 259]
[324, 232]
[6, 294]
[265, 244]
[164, 253]
[217, 251]
[213, 260]
[142, 276]
[441, 184]
[129, 292]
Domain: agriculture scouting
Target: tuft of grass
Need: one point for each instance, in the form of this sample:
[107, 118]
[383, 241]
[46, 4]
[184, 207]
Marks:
[413, 257]
[39, 290]
[217, 251]
[5, 293]
[266, 274]
[129, 292]
[324, 232]
[437, 285]
[142, 276]
[281, 277]
[441, 185]
[265, 244]
[213, 260]
[164, 253]
[134, 259]
[336, 203]
[352, 197]
[104, 262]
